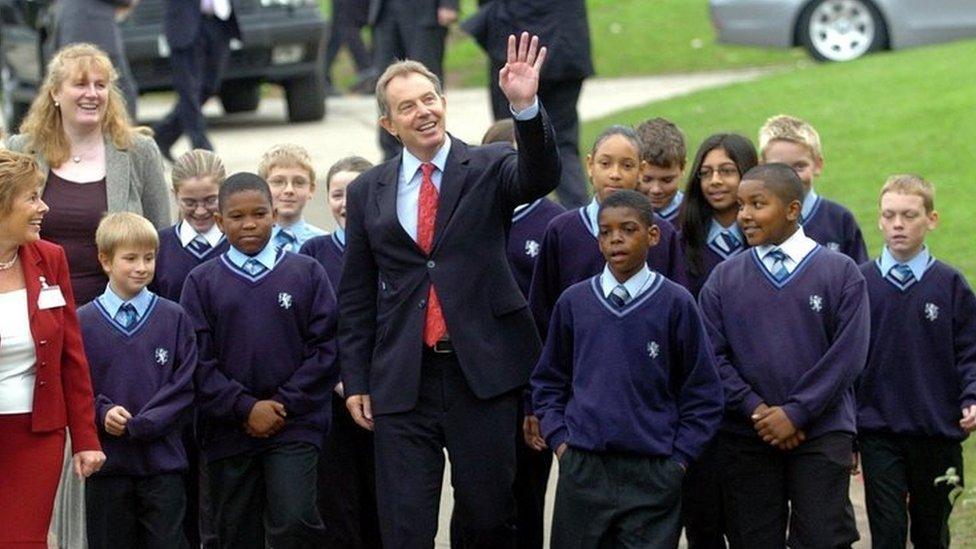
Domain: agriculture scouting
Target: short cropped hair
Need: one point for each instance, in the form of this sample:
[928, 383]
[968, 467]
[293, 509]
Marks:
[18, 173]
[626, 132]
[121, 229]
[287, 155]
[783, 127]
[780, 179]
[502, 131]
[197, 163]
[663, 143]
[242, 182]
[403, 68]
[911, 184]
[354, 164]
[631, 200]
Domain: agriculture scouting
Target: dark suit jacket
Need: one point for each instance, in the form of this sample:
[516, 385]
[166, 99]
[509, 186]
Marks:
[561, 26]
[425, 11]
[182, 22]
[62, 389]
[385, 279]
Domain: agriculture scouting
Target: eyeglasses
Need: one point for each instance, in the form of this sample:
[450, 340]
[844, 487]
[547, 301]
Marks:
[296, 183]
[724, 172]
[192, 204]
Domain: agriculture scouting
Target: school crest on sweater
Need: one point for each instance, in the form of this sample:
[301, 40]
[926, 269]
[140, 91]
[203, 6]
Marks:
[931, 312]
[653, 349]
[531, 248]
[816, 303]
[284, 300]
[161, 355]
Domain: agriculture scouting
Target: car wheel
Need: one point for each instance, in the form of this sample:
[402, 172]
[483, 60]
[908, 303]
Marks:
[240, 95]
[841, 30]
[13, 111]
[306, 98]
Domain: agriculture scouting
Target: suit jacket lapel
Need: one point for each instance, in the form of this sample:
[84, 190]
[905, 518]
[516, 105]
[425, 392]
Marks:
[31, 262]
[452, 185]
[116, 178]
[386, 197]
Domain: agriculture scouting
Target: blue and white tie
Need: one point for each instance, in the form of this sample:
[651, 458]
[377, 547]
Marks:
[778, 267]
[199, 246]
[254, 267]
[284, 240]
[903, 274]
[727, 242]
[126, 316]
[619, 296]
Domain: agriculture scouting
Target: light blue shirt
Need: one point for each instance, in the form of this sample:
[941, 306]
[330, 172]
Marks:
[673, 205]
[917, 264]
[340, 235]
[809, 202]
[635, 285]
[716, 228]
[592, 211]
[111, 302]
[301, 230]
[265, 257]
[796, 248]
[410, 177]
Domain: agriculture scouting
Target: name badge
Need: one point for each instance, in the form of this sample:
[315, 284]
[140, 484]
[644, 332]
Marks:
[50, 296]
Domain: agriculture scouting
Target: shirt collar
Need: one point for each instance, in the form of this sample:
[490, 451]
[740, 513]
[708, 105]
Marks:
[410, 163]
[716, 229]
[809, 202]
[917, 264]
[673, 205]
[592, 211]
[340, 235]
[635, 285]
[112, 302]
[796, 247]
[266, 256]
[187, 233]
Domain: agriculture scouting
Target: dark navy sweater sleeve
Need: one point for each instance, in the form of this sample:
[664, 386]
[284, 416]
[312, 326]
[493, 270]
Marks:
[964, 339]
[552, 380]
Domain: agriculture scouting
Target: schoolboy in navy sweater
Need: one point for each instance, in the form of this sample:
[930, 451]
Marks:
[663, 153]
[626, 390]
[265, 324]
[790, 322]
[917, 397]
[142, 353]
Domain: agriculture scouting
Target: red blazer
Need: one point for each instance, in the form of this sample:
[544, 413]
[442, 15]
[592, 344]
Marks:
[62, 389]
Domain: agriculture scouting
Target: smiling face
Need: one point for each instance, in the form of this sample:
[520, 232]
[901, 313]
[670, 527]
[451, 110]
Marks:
[83, 98]
[624, 240]
[291, 189]
[416, 114]
[659, 184]
[797, 156]
[22, 224]
[337, 195]
[719, 178]
[197, 200]
[763, 216]
[246, 220]
[904, 223]
[129, 269]
[615, 165]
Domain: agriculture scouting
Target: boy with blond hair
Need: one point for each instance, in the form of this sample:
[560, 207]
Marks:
[794, 142]
[917, 397]
[288, 170]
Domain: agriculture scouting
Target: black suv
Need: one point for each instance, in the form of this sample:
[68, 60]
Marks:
[284, 41]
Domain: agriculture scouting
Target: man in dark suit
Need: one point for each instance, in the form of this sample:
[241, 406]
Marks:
[563, 25]
[435, 337]
[198, 33]
[409, 29]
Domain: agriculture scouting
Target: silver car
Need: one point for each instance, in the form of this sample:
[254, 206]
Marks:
[841, 30]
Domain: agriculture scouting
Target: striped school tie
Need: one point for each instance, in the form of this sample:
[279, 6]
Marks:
[199, 246]
[903, 274]
[778, 267]
[254, 267]
[619, 296]
[126, 316]
[727, 242]
[284, 240]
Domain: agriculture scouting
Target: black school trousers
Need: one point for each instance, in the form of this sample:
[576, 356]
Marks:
[135, 511]
[900, 473]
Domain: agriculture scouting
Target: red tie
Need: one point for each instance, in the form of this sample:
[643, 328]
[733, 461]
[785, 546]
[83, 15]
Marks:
[434, 326]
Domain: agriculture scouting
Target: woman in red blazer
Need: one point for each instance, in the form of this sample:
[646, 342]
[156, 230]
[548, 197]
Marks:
[44, 382]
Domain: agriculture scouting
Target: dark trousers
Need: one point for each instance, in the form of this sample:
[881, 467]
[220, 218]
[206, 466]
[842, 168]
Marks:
[606, 500]
[347, 483]
[479, 436]
[701, 502]
[559, 97]
[268, 493]
[197, 72]
[531, 479]
[899, 482]
[125, 511]
[397, 35]
[198, 522]
[345, 31]
[766, 489]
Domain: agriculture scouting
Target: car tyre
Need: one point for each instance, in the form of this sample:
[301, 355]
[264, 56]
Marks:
[841, 30]
[13, 111]
[306, 98]
[240, 95]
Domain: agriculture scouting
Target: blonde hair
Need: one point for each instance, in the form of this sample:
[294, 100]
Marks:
[783, 127]
[43, 125]
[911, 184]
[286, 155]
[198, 163]
[125, 229]
[18, 173]
[403, 68]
